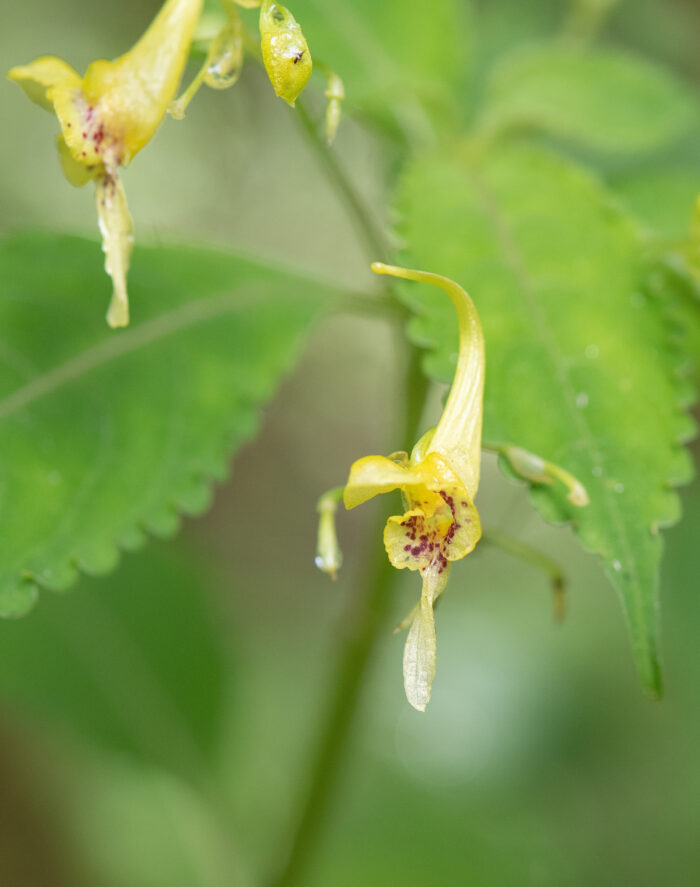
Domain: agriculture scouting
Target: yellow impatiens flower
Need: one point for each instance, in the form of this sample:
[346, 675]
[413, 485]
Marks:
[438, 482]
[107, 116]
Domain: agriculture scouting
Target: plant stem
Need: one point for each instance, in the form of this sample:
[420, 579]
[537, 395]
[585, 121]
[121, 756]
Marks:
[371, 235]
[361, 628]
[585, 19]
[536, 558]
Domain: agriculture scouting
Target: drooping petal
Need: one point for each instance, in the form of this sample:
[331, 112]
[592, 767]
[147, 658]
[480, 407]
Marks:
[284, 50]
[128, 97]
[420, 651]
[117, 231]
[40, 75]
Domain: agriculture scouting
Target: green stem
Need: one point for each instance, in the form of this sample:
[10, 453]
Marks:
[369, 615]
[535, 558]
[371, 235]
[585, 19]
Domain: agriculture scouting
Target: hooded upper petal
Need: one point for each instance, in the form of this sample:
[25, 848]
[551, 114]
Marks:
[132, 93]
[110, 114]
[458, 433]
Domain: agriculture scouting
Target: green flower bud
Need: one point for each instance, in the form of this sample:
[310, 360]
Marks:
[284, 50]
[335, 94]
[328, 554]
[225, 56]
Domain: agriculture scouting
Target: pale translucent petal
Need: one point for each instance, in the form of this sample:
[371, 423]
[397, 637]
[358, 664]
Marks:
[419, 657]
[117, 231]
[420, 652]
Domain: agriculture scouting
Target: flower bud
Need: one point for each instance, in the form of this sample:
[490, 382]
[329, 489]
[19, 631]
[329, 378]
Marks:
[225, 56]
[335, 93]
[539, 471]
[328, 555]
[284, 50]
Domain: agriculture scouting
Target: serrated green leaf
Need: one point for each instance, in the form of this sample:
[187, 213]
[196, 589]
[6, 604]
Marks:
[577, 363]
[134, 666]
[107, 436]
[603, 99]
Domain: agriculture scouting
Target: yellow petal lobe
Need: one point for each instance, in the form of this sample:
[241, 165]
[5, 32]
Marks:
[40, 75]
[117, 231]
[284, 50]
[371, 476]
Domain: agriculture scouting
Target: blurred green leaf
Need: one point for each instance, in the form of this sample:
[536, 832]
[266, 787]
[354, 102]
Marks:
[141, 827]
[578, 369]
[602, 99]
[109, 435]
[131, 663]
[662, 198]
[396, 59]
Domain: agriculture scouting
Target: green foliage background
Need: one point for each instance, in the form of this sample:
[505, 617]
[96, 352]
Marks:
[151, 715]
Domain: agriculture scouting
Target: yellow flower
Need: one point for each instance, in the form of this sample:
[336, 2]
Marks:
[438, 482]
[107, 116]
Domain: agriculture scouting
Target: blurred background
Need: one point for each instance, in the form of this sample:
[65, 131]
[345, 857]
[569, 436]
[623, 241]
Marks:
[155, 725]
